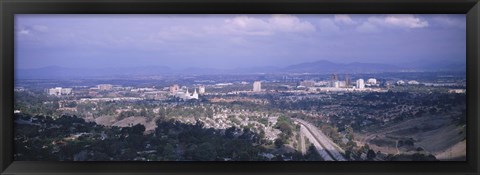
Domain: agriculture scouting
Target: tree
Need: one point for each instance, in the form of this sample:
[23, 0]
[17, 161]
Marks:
[371, 154]
[143, 113]
[312, 154]
[366, 147]
[205, 152]
[348, 153]
[230, 132]
[278, 143]
[137, 129]
[169, 152]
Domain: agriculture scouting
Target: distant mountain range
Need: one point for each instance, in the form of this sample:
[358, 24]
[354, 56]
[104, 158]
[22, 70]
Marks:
[321, 67]
[330, 67]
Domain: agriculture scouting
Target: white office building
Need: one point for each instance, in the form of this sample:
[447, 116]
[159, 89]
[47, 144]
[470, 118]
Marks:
[372, 81]
[257, 86]
[360, 84]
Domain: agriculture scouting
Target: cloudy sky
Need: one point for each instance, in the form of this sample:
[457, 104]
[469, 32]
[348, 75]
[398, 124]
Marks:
[233, 41]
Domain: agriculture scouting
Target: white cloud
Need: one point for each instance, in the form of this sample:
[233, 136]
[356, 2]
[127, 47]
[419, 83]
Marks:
[328, 25]
[367, 28]
[375, 23]
[408, 21]
[23, 31]
[245, 25]
[344, 19]
[290, 23]
[30, 30]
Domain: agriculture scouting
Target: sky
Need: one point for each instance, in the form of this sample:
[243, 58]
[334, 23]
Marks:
[236, 41]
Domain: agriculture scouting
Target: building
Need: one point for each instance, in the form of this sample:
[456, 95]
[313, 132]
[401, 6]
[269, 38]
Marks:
[347, 81]
[257, 86]
[174, 88]
[105, 87]
[458, 91]
[66, 91]
[334, 77]
[156, 95]
[307, 83]
[336, 84]
[360, 84]
[372, 81]
[388, 84]
[55, 91]
[322, 83]
[400, 82]
[201, 89]
[413, 82]
[19, 89]
[333, 80]
[59, 91]
[194, 95]
[186, 95]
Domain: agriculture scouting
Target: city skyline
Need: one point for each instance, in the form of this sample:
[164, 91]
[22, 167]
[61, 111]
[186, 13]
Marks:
[235, 41]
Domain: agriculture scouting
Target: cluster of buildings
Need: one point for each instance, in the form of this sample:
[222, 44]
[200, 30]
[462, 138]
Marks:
[336, 83]
[183, 92]
[59, 91]
[104, 87]
[411, 82]
[115, 92]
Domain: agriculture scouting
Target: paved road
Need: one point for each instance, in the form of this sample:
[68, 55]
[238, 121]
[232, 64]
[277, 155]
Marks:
[325, 146]
[320, 149]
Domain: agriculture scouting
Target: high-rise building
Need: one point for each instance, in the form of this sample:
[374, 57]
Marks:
[334, 81]
[257, 86]
[201, 89]
[347, 80]
[334, 77]
[341, 84]
[360, 84]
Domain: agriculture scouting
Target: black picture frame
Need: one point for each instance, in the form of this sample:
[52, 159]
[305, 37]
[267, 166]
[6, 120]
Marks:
[8, 8]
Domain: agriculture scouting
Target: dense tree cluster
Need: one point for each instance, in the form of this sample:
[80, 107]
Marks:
[70, 138]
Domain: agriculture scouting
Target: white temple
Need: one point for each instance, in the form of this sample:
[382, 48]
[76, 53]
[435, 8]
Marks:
[186, 95]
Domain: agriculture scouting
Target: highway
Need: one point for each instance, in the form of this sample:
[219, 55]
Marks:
[327, 149]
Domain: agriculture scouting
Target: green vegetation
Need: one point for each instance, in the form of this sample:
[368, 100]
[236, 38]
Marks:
[71, 138]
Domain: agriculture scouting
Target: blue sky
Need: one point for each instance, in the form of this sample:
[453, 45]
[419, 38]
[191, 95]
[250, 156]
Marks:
[232, 41]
